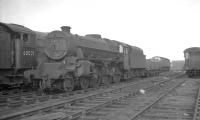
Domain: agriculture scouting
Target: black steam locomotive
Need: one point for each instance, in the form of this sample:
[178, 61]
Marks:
[63, 60]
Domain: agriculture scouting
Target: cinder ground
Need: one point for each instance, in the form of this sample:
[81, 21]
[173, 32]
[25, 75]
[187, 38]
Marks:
[178, 105]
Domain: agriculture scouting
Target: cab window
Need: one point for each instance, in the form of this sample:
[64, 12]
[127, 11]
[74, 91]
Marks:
[17, 36]
[25, 38]
[120, 49]
[186, 55]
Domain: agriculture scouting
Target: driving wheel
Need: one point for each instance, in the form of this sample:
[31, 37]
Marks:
[68, 85]
[84, 82]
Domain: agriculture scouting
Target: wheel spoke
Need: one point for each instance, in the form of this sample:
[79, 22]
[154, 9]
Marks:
[84, 83]
[42, 85]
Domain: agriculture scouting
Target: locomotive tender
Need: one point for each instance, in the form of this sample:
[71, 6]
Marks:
[63, 60]
[157, 64]
[192, 61]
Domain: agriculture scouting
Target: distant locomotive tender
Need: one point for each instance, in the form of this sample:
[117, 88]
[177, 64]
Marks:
[157, 64]
[192, 61]
[17, 53]
[86, 61]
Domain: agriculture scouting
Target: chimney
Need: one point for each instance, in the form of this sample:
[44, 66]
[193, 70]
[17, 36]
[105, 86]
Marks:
[66, 29]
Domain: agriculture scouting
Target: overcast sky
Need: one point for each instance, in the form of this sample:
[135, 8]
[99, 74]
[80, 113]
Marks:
[160, 27]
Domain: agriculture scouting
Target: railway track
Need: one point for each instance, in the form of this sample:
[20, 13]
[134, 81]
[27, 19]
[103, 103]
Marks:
[77, 106]
[196, 115]
[19, 99]
[164, 103]
[129, 108]
[175, 104]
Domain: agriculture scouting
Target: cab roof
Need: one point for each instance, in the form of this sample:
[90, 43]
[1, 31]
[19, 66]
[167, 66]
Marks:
[137, 48]
[192, 49]
[159, 57]
[16, 28]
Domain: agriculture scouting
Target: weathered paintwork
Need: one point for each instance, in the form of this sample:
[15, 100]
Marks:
[17, 48]
[137, 58]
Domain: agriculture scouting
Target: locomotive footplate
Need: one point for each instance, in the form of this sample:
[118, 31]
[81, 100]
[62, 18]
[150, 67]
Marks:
[14, 76]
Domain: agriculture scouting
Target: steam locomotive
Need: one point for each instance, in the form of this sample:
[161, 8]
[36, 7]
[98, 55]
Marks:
[62, 60]
[157, 64]
[86, 61]
[192, 61]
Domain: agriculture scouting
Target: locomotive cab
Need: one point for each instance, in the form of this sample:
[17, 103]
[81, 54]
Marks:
[17, 53]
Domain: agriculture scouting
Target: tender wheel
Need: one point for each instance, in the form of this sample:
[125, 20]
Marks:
[116, 78]
[68, 85]
[84, 82]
